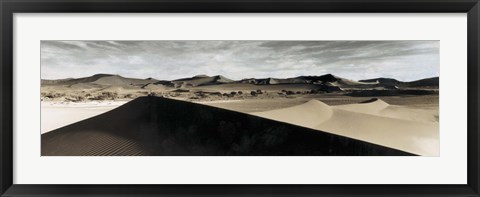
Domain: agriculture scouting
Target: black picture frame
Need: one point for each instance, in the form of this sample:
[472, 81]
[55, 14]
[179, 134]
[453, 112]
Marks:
[9, 7]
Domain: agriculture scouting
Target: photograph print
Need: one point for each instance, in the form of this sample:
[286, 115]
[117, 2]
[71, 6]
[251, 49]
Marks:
[240, 98]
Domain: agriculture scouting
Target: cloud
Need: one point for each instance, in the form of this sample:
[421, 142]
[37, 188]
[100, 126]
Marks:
[403, 60]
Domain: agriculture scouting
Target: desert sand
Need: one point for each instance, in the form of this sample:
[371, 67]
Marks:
[403, 128]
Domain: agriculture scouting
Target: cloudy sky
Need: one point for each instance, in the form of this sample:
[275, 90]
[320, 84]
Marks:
[403, 60]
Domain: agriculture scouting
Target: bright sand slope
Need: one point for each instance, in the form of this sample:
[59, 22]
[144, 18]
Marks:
[411, 130]
[56, 115]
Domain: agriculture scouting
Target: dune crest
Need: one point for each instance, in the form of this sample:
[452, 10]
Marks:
[309, 114]
[371, 106]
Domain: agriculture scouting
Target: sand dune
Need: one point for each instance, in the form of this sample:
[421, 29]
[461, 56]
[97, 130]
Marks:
[381, 108]
[152, 86]
[159, 126]
[411, 130]
[201, 80]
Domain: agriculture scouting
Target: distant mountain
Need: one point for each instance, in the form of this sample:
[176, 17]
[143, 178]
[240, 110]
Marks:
[101, 80]
[327, 81]
[301, 79]
[321, 79]
[434, 81]
[272, 81]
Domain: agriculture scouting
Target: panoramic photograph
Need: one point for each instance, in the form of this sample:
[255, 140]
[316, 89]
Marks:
[240, 98]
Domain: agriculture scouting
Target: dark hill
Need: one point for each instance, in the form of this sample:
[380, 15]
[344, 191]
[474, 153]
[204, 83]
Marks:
[434, 81]
[160, 126]
[427, 82]
[296, 80]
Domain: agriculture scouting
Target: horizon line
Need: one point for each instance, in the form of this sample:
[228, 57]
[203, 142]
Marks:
[234, 79]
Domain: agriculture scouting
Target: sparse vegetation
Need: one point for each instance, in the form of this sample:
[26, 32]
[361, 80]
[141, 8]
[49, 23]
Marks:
[75, 98]
[105, 96]
[289, 92]
[53, 95]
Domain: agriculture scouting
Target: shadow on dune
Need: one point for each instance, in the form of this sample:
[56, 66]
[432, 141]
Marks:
[158, 126]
